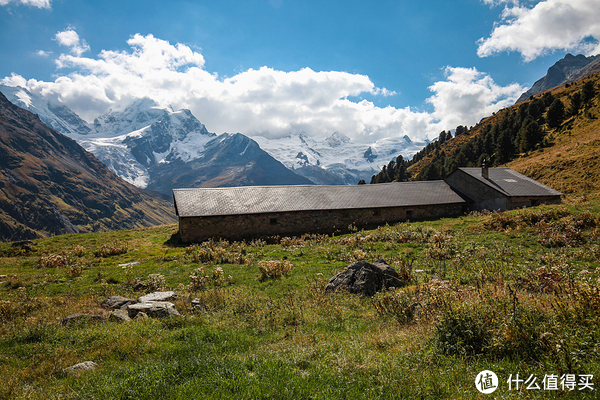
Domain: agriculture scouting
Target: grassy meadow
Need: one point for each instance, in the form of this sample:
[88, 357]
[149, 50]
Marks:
[514, 292]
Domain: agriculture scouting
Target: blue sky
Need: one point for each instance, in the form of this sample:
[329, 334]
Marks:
[369, 69]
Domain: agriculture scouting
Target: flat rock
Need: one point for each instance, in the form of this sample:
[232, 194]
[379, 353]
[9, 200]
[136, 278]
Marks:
[83, 366]
[364, 278]
[158, 296]
[117, 302]
[81, 317]
[129, 264]
[119, 316]
[154, 309]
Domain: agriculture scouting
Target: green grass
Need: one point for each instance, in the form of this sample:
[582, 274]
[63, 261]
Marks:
[516, 292]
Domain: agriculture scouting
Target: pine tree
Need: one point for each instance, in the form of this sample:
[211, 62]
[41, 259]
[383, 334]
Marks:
[530, 135]
[556, 114]
[588, 92]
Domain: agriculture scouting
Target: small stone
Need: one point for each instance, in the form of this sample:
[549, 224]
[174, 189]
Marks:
[83, 366]
[139, 287]
[154, 309]
[117, 302]
[158, 296]
[3, 276]
[81, 317]
[141, 315]
[130, 264]
[119, 316]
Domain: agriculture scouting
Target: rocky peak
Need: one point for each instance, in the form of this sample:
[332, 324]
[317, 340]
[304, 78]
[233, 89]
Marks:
[337, 139]
[565, 70]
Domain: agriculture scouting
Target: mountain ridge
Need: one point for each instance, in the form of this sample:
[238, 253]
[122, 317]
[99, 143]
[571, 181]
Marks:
[50, 185]
[566, 70]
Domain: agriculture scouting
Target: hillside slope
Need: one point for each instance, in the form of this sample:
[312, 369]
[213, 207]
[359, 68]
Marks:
[49, 185]
[560, 149]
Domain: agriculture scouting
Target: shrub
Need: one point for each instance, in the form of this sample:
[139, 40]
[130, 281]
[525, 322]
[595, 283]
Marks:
[77, 251]
[559, 234]
[109, 250]
[156, 282]
[197, 279]
[53, 261]
[274, 269]
[464, 329]
[397, 304]
[74, 271]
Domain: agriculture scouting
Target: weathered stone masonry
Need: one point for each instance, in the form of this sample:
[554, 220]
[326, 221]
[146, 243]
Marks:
[247, 226]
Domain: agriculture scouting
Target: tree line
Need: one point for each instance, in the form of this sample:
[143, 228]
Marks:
[518, 131]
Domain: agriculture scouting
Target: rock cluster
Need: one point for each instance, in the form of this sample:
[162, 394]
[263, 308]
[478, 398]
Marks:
[364, 278]
[153, 305]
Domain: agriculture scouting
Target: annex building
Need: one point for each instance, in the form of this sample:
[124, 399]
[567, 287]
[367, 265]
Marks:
[259, 211]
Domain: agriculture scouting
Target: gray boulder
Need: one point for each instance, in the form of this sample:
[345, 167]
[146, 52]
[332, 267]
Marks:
[117, 302]
[119, 316]
[158, 296]
[365, 278]
[154, 309]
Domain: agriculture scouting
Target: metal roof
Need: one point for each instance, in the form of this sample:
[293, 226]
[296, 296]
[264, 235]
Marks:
[511, 183]
[268, 199]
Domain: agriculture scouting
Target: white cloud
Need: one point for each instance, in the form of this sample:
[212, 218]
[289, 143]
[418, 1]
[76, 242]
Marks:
[467, 95]
[261, 101]
[43, 53]
[70, 38]
[31, 3]
[550, 25]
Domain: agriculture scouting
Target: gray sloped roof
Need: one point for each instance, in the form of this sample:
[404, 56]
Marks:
[267, 199]
[511, 183]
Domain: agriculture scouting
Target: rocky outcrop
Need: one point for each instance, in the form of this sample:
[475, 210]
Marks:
[365, 278]
[568, 69]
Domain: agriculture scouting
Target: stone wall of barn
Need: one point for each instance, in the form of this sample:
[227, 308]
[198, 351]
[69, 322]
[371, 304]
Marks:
[483, 196]
[520, 202]
[250, 226]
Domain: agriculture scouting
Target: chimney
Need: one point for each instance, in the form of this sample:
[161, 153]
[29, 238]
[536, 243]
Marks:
[485, 171]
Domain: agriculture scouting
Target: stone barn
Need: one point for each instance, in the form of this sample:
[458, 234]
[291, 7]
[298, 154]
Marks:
[260, 211]
[500, 189]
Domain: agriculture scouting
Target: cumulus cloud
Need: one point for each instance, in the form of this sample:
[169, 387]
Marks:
[467, 95]
[31, 3]
[547, 26]
[70, 38]
[261, 101]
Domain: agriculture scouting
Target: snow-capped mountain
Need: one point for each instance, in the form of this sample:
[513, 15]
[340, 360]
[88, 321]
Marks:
[337, 159]
[146, 145]
[133, 141]
[57, 116]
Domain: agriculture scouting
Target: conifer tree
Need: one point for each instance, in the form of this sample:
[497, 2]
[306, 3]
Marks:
[556, 114]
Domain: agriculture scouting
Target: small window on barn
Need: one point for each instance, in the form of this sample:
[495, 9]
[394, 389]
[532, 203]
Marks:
[273, 221]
